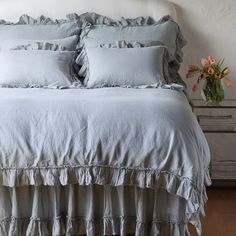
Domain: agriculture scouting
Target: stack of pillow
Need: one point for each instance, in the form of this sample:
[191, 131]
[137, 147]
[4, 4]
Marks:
[37, 53]
[127, 53]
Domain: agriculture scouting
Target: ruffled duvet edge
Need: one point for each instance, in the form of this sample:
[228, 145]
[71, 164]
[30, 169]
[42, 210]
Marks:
[103, 175]
[78, 226]
[114, 176]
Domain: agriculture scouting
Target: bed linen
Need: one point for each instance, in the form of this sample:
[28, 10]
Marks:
[41, 29]
[144, 30]
[92, 210]
[47, 68]
[100, 162]
[166, 31]
[126, 66]
[96, 145]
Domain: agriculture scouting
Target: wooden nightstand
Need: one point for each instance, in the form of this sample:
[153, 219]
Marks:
[219, 126]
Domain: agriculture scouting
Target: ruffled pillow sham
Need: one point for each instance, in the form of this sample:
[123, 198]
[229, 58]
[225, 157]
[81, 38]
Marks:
[126, 67]
[165, 31]
[44, 61]
[39, 29]
[68, 43]
[102, 30]
[36, 68]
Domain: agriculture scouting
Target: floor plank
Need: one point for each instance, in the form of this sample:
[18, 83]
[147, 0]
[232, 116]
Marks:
[220, 209]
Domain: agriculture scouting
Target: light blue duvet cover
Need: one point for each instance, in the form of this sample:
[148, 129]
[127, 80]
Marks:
[100, 161]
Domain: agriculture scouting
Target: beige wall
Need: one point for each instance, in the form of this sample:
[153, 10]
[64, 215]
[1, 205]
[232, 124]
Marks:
[210, 29]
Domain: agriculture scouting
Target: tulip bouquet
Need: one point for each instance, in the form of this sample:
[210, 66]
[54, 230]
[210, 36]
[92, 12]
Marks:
[212, 72]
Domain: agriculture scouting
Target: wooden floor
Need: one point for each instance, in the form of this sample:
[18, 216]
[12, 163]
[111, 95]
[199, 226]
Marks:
[220, 209]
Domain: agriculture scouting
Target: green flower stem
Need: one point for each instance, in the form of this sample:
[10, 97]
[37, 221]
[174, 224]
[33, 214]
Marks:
[213, 90]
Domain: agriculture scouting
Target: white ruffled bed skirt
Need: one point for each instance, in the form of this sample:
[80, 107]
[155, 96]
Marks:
[93, 210]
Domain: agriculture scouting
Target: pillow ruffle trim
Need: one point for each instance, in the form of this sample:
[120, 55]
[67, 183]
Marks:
[89, 21]
[40, 46]
[76, 84]
[86, 19]
[41, 20]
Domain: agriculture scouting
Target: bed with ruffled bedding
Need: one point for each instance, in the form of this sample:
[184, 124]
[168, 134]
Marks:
[100, 161]
[97, 136]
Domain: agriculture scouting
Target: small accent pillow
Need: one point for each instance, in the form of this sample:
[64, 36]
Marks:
[36, 68]
[170, 72]
[68, 44]
[125, 66]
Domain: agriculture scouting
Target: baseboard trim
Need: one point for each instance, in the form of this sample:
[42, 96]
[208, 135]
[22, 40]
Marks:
[226, 183]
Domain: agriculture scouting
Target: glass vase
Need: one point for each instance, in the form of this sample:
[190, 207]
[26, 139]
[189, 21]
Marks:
[213, 91]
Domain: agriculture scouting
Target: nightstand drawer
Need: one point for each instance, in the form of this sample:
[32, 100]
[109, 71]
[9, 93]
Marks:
[219, 125]
[223, 155]
[219, 119]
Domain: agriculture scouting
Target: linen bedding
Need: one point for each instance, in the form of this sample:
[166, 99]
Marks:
[100, 161]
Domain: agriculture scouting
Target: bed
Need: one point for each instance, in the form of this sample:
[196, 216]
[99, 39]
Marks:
[110, 160]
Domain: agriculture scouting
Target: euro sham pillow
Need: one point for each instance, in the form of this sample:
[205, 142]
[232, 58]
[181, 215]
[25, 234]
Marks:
[68, 43]
[166, 31]
[39, 68]
[39, 29]
[125, 67]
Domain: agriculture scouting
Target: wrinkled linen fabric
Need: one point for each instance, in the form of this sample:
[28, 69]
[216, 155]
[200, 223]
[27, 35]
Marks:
[144, 138]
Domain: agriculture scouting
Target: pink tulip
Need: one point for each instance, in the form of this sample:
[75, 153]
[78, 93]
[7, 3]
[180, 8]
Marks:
[226, 71]
[202, 76]
[218, 75]
[205, 62]
[210, 71]
[212, 61]
[229, 82]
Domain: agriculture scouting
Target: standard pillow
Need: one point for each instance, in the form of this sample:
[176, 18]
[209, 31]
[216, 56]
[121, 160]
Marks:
[36, 68]
[68, 43]
[39, 29]
[170, 71]
[125, 67]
